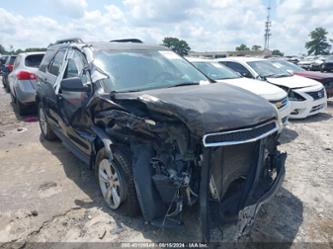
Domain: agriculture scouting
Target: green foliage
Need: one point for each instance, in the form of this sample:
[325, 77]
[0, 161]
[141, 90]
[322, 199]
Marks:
[242, 47]
[181, 47]
[318, 43]
[256, 48]
[277, 52]
[18, 51]
[2, 50]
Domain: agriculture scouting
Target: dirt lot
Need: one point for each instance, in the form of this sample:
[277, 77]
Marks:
[46, 194]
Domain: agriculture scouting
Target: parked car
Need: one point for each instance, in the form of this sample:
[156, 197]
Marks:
[327, 65]
[22, 80]
[158, 135]
[6, 69]
[307, 96]
[220, 73]
[3, 59]
[325, 78]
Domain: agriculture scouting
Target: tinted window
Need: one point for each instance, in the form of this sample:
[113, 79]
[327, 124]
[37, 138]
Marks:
[239, 68]
[145, 69]
[33, 60]
[56, 63]
[11, 60]
[216, 71]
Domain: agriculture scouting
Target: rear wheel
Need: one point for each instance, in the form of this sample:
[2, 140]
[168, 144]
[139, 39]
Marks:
[21, 108]
[116, 182]
[45, 128]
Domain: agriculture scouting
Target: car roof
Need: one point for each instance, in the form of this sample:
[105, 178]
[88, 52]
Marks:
[241, 59]
[124, 46]
[31, 53]
[198, 59]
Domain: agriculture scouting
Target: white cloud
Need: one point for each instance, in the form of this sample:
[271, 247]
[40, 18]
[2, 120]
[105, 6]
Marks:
[70, 8]
[206, 25]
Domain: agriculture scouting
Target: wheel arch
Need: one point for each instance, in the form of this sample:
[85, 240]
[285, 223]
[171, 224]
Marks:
[102, 140]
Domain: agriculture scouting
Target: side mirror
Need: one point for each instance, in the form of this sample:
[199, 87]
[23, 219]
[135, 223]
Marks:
[73, 85]
[246, 75]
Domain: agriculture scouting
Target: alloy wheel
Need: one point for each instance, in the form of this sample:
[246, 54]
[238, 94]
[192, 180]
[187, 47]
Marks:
[110, 184]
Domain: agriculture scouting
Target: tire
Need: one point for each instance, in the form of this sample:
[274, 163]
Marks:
[6, 86]
[125, 189]
[45, 128]
[21, 108]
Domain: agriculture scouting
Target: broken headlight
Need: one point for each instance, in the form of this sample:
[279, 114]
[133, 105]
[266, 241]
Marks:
[293, 96]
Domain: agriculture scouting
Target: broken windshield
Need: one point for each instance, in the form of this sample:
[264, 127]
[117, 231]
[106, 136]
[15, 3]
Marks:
[145, 69]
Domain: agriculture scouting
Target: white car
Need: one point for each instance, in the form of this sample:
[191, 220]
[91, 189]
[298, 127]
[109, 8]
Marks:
[271, 93]
[307, 96]
[22, 80]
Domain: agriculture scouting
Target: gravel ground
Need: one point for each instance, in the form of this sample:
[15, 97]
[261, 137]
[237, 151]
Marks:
[47, 195]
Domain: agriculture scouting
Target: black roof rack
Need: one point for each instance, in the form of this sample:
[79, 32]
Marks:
[132, 40]
[69, 40]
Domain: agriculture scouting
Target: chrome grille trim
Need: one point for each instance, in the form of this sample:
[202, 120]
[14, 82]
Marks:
[247, 140]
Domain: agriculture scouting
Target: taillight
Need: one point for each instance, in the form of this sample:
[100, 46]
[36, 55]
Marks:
[10, 67]
[25, 75]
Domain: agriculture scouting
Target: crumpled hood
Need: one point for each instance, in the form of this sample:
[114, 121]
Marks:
[207, 108]
[264, 89]
[293, 82]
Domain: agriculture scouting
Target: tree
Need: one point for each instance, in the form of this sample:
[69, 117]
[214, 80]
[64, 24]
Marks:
[242, 47]
[256, 48]
[2, 50]
[277, 52]
[318, 43]
[179, 46]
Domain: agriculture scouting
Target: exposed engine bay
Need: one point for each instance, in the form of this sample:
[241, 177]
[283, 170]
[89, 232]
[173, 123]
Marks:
[174, 168]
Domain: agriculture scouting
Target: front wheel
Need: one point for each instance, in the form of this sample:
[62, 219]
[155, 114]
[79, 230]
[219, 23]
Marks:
[45, 128]
[116, 182]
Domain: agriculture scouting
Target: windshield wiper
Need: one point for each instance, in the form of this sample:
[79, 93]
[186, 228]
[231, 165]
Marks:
[185, 84]
[275, 75]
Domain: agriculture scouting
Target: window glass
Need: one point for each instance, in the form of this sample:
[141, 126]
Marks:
[267, 69]
[11, 60]
[216, 71]
[17, 61]
[239, 68]
[80, 62]
[287, 65]
[33, 60]
[138, 70]
[56, 63]
[71, 70]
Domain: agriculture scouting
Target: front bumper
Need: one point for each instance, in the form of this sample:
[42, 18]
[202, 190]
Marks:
[257, 188]
[308, 107]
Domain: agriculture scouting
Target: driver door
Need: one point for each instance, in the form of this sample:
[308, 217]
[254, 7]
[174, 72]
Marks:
[75, 121]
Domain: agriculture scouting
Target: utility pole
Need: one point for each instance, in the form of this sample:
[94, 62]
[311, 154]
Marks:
[268, 25]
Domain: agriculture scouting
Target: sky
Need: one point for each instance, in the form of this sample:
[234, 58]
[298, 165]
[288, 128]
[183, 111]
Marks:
[207, 25]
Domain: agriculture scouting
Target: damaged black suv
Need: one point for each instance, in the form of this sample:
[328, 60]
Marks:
[159, 135]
